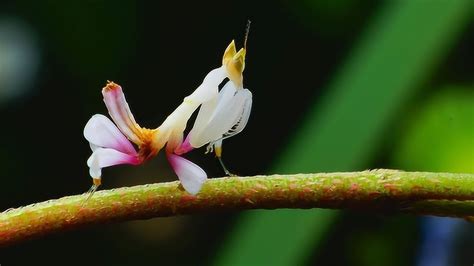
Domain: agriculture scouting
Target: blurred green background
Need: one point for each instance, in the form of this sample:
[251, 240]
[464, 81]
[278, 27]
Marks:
[338, 86]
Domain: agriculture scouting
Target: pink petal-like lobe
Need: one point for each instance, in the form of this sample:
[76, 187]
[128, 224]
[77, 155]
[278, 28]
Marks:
[192, 177]
[185, 147]
[120, 112]
[101, 132]
[108, 157]
[105, 157]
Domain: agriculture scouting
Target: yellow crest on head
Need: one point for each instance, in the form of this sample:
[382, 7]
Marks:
[229, 53]
[235, 63]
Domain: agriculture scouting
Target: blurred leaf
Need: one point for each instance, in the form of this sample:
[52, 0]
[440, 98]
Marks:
[403, 45]
[19, 58]
[440, 137]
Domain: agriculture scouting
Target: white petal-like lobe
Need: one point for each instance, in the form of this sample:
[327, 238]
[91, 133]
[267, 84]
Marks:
[227, 92]
[174, 125]
[230, 115]
[244, 117]
[101, 132]
[205, 112]
[209, 87]
[95, 171]
[192, 176]
[119, 110]
[104, 157]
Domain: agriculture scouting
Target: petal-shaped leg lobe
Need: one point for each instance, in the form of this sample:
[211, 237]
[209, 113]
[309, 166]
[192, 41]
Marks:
[173, 127]
[209, 87]
[120, 112]
[192, 177]
[101, 132]
[95, 171]
[208, 109]
[105, 157]
[205, 113]
[244, 116]
[228, 119]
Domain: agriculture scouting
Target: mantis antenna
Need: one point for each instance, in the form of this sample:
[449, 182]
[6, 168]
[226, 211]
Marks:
[247, 30]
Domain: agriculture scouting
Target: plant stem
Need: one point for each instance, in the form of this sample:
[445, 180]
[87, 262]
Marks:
[387, 191]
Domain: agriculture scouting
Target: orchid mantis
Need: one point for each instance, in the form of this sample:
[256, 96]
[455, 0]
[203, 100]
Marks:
[111, 144]
[222, 114]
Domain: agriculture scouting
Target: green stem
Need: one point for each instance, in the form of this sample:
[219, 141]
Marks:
[441, 194]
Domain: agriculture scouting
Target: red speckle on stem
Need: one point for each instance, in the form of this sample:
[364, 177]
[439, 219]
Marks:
[83, 210]
[374, 195]
[116, 207]
[392, 189]
[187, 198]
[354, 188]
[304, 193]
[292, 186]
[150, 202]
[329, 190]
